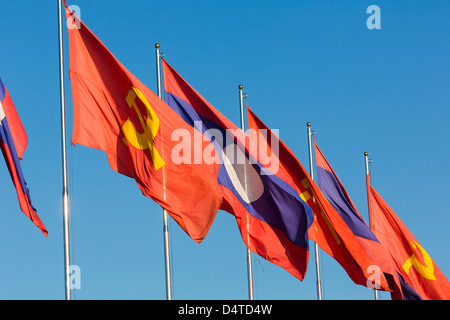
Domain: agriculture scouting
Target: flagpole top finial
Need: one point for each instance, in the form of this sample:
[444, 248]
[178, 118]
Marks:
[241, 86]
[366, 154]
[156, 45]
[309, 124]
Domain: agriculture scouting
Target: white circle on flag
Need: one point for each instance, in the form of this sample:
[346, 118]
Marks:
[2, 113]
[246, 180]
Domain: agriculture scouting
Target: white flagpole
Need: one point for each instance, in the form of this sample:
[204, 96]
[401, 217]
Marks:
[367, 161]
[249, 253]
[64, 157]
[165, 215]
[311, 172]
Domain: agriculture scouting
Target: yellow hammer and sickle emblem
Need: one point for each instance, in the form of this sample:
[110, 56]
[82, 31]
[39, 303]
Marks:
[306, 196]
[427, 270]
[150, 125]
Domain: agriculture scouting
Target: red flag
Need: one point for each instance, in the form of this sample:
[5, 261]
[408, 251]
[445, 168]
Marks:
[415, 265]
[116, 113]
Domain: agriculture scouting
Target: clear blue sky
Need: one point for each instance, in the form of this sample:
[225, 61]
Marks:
[383, 91]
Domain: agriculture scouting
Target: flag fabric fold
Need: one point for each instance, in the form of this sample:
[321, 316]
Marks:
[414, 264]
[273, 220]
[114, 112]
[13, 142]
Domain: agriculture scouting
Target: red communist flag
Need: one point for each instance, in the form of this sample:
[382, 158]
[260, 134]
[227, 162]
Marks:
[412, 261]
[114, 112]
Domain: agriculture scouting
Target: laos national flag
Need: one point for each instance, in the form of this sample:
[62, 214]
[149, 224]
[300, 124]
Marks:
[273, 220]
[337, 196]
[13, 141]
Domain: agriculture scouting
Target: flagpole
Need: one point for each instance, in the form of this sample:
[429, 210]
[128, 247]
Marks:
[64, 158]
[316, 247]
[165, 215]
[249, 253]
[366, 161]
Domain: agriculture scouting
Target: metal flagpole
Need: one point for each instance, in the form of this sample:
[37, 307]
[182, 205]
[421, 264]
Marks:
[367, 161]
[249, 253]
[64, 157]
[165, 215]
[311, 172]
